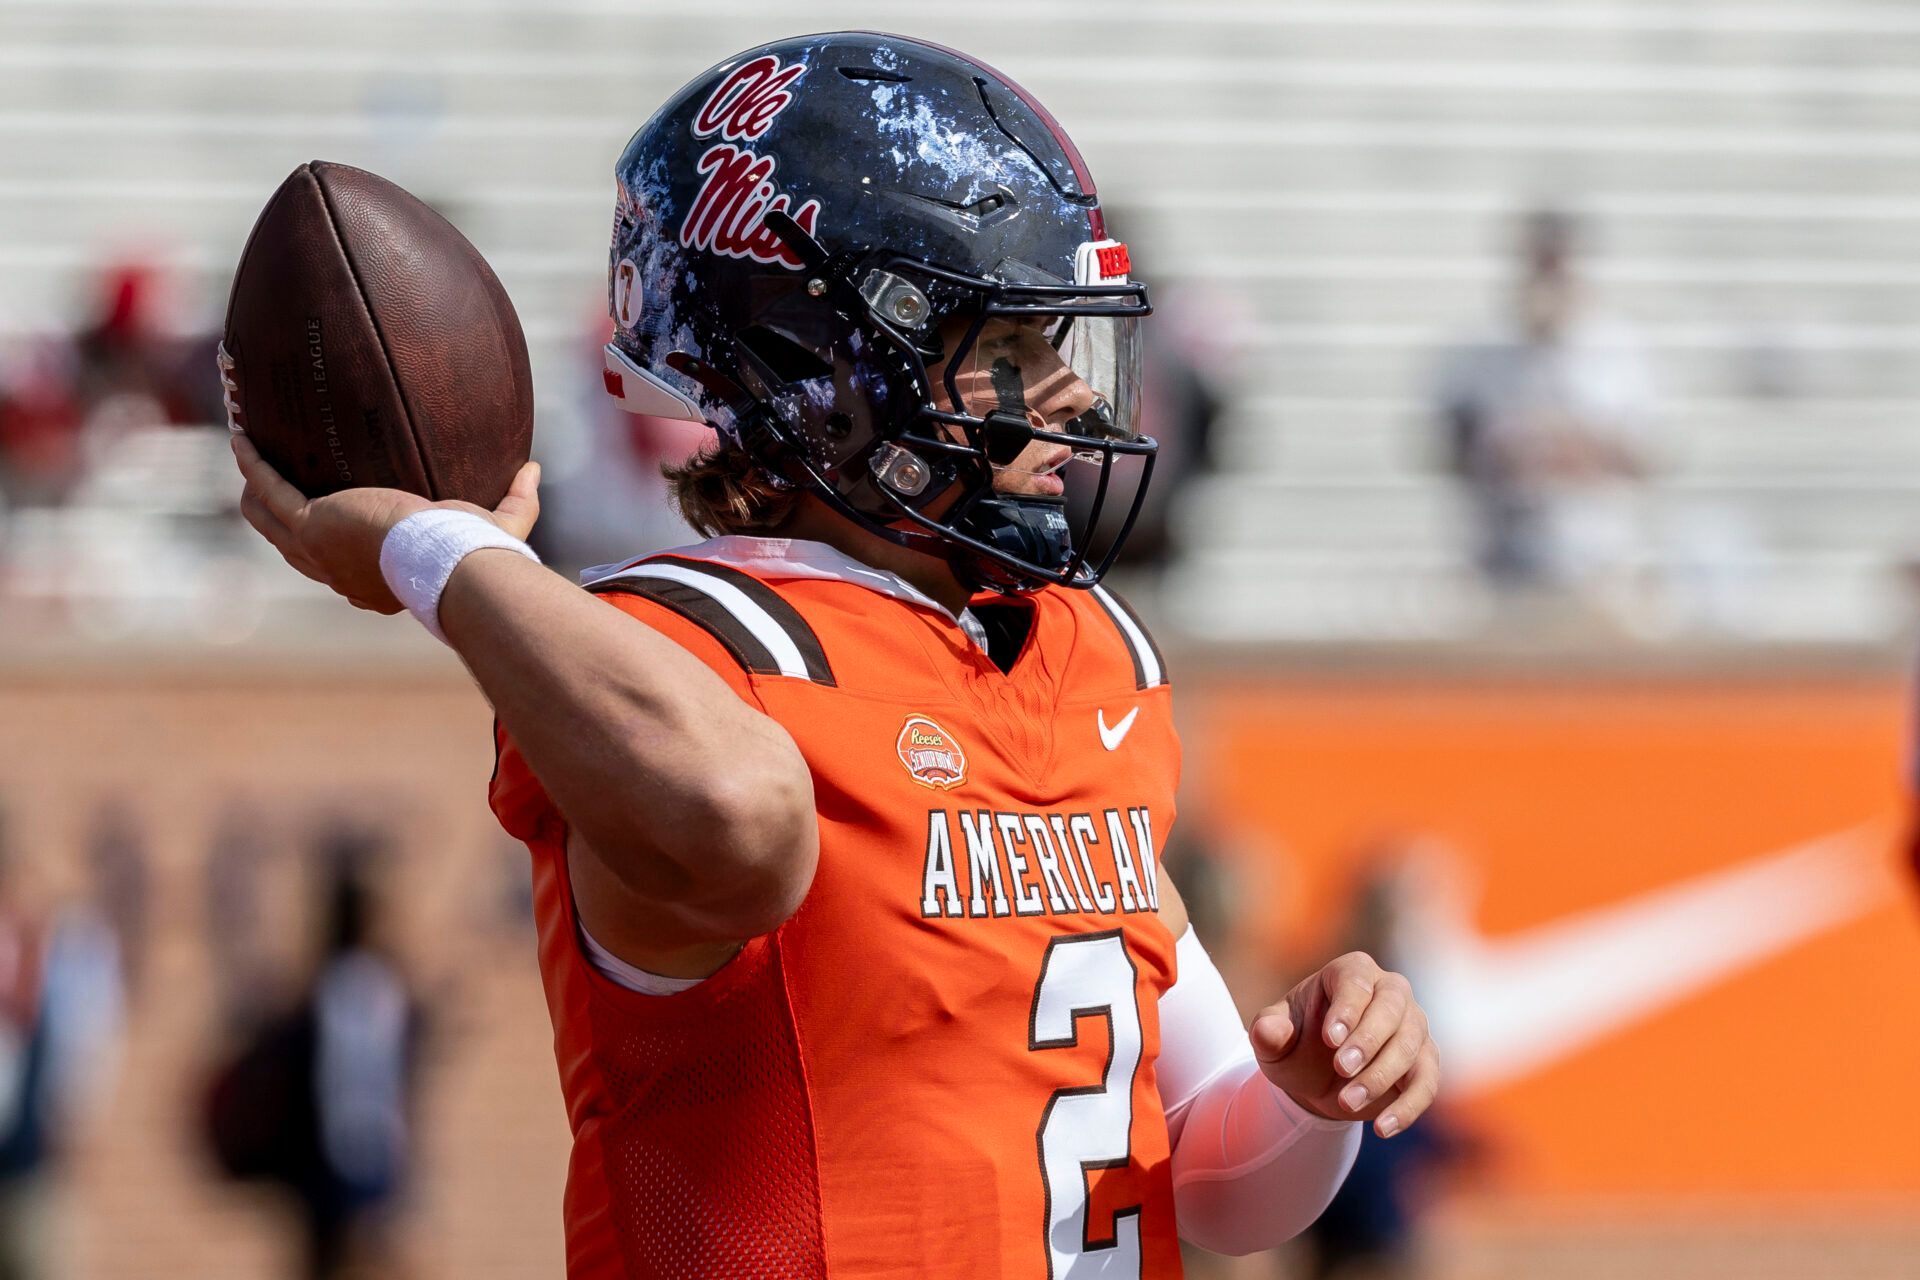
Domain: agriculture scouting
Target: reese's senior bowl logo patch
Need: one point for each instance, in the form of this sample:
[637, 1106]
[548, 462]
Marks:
[930, 754]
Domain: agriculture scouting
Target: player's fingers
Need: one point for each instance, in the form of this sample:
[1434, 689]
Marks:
[519, 510]
[287, 503]
[1389, 1065]
[1418, 1088]
[1348, 982]
[282, 539]
[1385, 1013]
[253, 509]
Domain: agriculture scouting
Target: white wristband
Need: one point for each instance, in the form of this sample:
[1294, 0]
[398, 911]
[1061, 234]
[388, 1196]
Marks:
[420, 553]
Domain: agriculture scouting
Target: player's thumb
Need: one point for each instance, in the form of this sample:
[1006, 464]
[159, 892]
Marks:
[1272, 1033]
[520, 509]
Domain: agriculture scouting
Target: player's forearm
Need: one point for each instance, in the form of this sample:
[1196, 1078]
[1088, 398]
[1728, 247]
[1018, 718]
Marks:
[649, 755]
[1251, 1169]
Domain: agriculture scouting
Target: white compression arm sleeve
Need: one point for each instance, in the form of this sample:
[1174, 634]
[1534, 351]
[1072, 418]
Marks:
[1251, 1168]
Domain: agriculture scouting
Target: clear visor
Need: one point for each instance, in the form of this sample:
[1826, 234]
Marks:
[1072, 375]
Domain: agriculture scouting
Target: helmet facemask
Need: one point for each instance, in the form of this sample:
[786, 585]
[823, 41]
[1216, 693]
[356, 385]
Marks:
[996, 396]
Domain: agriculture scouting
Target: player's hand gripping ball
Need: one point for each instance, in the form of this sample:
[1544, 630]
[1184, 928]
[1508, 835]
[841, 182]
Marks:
[336, 539]
[1350, 1043]
[373, 366]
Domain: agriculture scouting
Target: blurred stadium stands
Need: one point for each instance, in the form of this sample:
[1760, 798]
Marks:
[1352, 170]
[1347, 176]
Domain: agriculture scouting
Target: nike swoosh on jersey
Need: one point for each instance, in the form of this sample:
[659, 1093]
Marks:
[1507, 1007]
[1112, 738]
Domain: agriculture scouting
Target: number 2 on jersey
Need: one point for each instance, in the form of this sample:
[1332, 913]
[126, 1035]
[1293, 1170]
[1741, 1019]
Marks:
[1087, 1127]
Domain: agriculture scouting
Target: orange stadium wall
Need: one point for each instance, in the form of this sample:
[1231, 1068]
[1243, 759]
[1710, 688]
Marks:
[1722, 860]
[1569, 806]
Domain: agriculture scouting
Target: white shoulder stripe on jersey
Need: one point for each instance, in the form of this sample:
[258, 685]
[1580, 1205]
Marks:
[755, 619]
[1143, 654]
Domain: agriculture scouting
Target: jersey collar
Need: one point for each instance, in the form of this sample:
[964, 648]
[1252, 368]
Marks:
[776, 558]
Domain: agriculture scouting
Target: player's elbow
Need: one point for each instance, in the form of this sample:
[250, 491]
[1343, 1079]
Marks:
[728, 856]
[768, 843]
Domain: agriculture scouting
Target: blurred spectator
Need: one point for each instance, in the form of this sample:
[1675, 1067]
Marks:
[129, 364]
[123, 368]
[1369, 1231]
[40, 417]
[236, 863]
[60, 1008]
[1548, 426]
[119, 862]
[320, 1100]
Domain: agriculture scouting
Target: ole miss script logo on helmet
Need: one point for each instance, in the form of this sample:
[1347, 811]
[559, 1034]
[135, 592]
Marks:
[931, 755]
[728, 217]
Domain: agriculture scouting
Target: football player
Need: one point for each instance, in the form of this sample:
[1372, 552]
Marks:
[846, 822]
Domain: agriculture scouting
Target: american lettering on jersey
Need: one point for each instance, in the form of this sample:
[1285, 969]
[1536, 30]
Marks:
[728, 216]
[982, 863]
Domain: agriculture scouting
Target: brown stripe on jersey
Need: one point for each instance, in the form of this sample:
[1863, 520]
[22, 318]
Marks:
[703, 611]
[785, 615]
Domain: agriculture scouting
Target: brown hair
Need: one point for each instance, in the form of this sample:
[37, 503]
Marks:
[722, 490]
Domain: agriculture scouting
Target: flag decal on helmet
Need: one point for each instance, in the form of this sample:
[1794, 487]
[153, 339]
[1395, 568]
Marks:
[728, 216]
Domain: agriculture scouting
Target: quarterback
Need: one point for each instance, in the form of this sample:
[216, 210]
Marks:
[846, 822]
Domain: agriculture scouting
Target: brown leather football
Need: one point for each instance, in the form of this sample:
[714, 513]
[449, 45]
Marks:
[371, 345]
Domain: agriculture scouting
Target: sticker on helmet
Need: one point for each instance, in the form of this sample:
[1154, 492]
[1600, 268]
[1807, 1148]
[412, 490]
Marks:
[1102, 262]
[728, 216]
[627, 294]
[747, 101]
[931, 755]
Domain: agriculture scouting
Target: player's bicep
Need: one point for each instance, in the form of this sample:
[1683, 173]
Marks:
[664, 936]
[518, 795]
[684, 915]
[1173, 907]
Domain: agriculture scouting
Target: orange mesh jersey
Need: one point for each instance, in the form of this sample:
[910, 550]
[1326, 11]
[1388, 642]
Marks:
[943, 1063]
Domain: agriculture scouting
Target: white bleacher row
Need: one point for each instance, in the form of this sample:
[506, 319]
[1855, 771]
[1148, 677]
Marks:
[1350, 170]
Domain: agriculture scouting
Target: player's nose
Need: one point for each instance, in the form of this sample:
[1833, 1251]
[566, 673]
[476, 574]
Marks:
[1060, 396]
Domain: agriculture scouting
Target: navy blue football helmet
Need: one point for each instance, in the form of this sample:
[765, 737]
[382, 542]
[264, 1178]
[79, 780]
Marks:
[807, 230]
